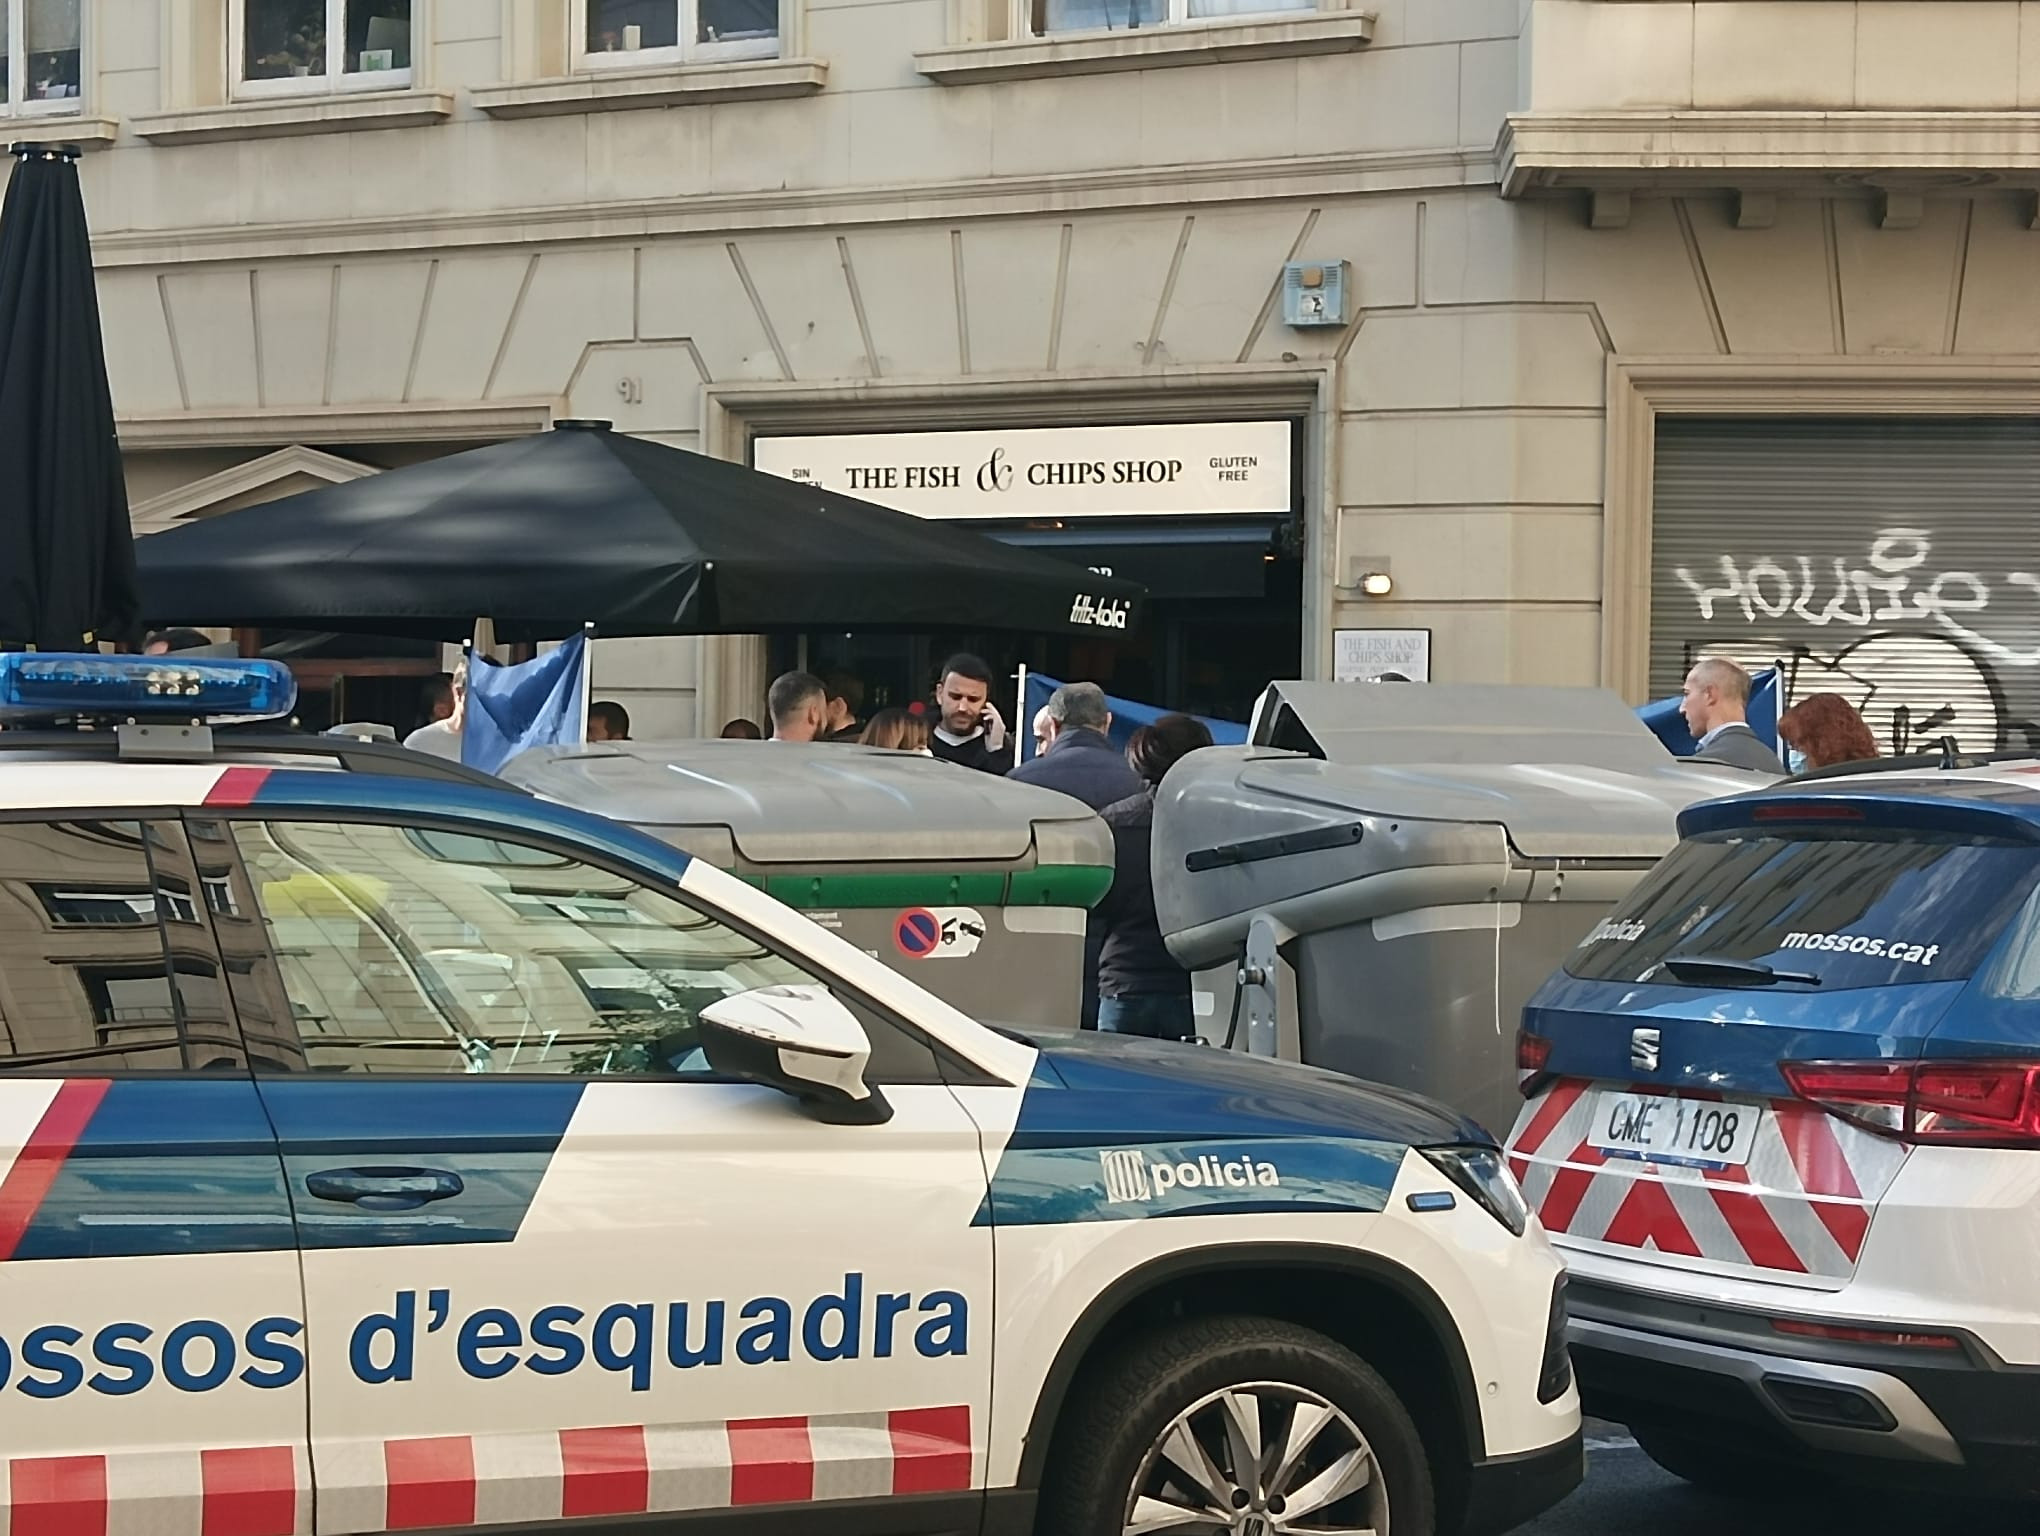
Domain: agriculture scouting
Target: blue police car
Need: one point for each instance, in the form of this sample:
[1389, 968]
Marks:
[1783, 1119]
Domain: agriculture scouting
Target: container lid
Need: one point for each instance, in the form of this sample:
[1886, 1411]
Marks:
[1549, 810]
[823, 804]
[1453, 723]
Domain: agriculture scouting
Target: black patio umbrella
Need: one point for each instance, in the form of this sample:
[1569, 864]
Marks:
[585, 524]
[67, 563]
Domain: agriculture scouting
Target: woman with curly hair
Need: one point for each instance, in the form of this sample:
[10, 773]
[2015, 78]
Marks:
[1823, 730]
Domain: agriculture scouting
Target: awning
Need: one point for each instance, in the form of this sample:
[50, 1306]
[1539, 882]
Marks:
[1173, 558]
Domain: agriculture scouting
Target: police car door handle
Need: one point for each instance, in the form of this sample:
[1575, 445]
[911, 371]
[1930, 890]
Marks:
[384, 1189]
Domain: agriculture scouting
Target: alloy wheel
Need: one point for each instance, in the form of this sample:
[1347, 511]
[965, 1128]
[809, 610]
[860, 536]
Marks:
[1259, 1459]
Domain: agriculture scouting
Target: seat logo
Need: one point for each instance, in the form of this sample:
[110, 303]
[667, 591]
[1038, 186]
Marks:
[1129, 1177]
[1644, 1049]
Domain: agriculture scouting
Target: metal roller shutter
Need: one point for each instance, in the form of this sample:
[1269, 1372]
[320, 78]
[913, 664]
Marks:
[1896, 563]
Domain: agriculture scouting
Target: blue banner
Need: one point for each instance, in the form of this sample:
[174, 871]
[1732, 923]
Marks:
[1127, 717]
[540, 703]
[1669, 725]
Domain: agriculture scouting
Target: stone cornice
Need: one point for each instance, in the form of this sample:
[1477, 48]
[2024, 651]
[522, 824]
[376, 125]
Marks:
[284, 427]
[1911, 151]
[727, 213]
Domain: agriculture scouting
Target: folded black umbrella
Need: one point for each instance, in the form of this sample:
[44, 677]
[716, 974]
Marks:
[582, 524]
[67, 569]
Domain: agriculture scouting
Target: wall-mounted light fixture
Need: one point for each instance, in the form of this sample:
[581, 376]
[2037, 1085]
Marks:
[1367, 575]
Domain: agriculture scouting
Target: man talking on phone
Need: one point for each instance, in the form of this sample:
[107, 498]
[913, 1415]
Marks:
[968, 730]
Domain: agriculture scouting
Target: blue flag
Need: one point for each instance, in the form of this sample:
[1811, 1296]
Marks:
[540, 703]
[1669, 726]
[1127, 717]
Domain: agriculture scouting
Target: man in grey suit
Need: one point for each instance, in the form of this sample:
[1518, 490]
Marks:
[1716, 706]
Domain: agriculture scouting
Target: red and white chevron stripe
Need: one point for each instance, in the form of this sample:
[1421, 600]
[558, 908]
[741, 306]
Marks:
[457, 1480]
[232, 1491]
[461, 1480]
[1801, 1206]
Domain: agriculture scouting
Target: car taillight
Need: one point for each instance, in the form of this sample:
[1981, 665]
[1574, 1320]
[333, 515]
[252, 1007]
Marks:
[1533, 1052]
[1934, 1103]
[1896, 1337]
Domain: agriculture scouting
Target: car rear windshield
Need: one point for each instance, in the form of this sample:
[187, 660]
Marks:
[1861, 910]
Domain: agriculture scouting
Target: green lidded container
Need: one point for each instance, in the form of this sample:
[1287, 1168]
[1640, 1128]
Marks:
[975, 887]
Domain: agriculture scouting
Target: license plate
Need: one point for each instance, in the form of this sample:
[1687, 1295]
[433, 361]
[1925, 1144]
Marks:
[1700, 1132]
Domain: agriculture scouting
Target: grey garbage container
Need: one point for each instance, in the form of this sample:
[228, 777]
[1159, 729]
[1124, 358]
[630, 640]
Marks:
[975, 887]
[1398, 869]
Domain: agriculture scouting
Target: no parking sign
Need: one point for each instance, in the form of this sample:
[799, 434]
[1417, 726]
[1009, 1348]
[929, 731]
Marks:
[938, 933]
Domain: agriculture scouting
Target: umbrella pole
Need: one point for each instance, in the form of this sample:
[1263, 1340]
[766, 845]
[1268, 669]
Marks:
[587, 683]
[1023, 730]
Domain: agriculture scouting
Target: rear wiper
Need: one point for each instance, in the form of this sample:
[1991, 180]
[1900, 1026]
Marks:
[1734, 973]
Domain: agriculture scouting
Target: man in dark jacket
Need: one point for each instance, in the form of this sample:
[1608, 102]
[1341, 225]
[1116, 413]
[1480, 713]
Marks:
[1079, 760]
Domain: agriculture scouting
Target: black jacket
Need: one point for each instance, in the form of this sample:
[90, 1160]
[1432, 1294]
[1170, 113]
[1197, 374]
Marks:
[971, 754]
[1086, 766]
[1133, 961]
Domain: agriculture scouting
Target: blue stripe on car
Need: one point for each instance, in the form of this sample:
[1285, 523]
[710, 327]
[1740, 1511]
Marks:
[497, 1136]
[166, 1166]
[1113, 1129]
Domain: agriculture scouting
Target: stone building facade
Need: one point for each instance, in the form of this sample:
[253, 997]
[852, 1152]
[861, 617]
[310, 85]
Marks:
[1670, 325]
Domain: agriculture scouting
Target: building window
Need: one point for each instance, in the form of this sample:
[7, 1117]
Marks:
[636, 33]
[287, 46]
[1048, 17]
[41, 57]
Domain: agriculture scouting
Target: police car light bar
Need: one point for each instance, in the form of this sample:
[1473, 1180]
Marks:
[45, 685]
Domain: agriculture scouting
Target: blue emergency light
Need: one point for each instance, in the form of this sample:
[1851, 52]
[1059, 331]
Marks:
[46, 685]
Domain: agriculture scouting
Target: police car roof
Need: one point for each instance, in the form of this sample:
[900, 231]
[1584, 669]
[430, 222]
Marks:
[34, 781]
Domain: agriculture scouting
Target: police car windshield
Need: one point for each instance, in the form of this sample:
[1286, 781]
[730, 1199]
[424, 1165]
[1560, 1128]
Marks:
[1858, 910]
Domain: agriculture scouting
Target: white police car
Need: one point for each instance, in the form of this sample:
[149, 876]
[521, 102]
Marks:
[390, 1152]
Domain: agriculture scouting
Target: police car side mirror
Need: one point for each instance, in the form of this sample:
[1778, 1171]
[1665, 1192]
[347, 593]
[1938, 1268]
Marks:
[800, 1040]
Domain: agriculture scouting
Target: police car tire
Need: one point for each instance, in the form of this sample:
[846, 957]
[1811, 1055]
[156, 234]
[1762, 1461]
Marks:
[1126, 1402]
[1727, 1471]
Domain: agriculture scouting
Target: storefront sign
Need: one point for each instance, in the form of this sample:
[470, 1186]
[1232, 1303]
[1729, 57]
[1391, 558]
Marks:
[1233, 467]
[1367, 655]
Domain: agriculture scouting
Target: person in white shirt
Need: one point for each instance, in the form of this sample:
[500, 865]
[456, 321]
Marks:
[441, 738]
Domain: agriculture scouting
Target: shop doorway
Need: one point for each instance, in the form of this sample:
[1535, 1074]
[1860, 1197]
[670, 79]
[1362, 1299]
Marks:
[1223, 619]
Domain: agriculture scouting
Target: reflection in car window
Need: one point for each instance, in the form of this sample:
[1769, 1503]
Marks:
[399, 958]
[1859, 910]
[101, 967]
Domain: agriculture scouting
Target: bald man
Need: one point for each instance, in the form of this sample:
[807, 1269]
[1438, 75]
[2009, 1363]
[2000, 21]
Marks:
[1716, 705]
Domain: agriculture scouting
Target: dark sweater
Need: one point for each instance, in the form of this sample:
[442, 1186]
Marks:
[970, 754]
[1133, 961]
[1086, 766]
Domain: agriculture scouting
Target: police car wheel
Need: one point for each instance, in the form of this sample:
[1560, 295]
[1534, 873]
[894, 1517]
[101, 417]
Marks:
[1242, 1426]
[1724, 1470]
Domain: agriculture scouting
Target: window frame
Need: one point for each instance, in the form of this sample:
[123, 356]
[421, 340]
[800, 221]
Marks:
[335, 81]
[949, 1068]
[588, 61]
[16, 107]
[1020, 22]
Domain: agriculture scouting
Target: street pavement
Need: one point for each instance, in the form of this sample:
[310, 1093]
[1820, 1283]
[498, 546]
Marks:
[1626, 1495]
